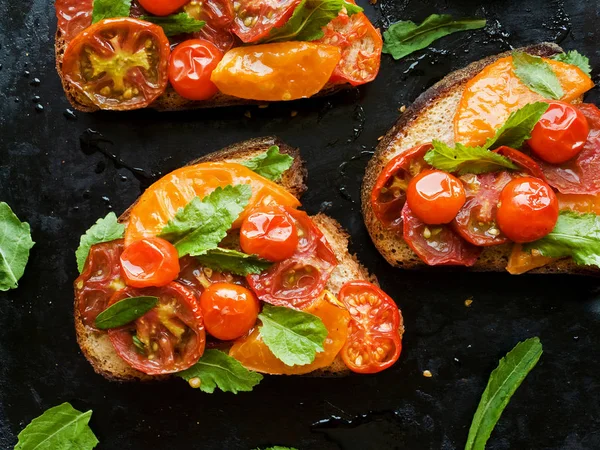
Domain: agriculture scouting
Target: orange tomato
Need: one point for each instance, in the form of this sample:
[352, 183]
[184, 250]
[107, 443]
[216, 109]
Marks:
[274, 72]
[159, 203]
[490, 97]
[579, 202]
[254, 354]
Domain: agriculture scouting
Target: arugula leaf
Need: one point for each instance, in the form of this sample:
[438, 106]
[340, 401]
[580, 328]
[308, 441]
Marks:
[125, 311]
[232, 261]
[15, 243]
[575, 58]
[61, 427]
[270, 164]
[106, 9]
[309, 19]
[104, 230]
[503, 383]
[517, 128]
[463, 159]
[217, 369]
[405, 37]
[537, 75]
[202, 224]
[294, 337]
[176, 23]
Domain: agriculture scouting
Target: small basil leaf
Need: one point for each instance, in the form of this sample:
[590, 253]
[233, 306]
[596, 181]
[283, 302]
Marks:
[125, 311]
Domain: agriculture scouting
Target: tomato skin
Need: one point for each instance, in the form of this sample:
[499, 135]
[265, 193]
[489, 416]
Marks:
[73, 17]
[528, 210]
[218, 18]
[435, 196]
[150, 262]
[162, 7]
[270, 233]
[522, 160]
[190, 67]
[254, 19]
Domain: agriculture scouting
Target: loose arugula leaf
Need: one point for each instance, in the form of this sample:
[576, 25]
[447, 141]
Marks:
[270, 164]
[463, 159]
[294, 337]
[218, 369]
[176, 23]
[517, 128]
[106, 9]
[125, 311]
[61, 427]
[15, 243]
[537, 75]
[202, 224]
[232, 261]
[309, 19]
[405, 37]
[104, 230]
[503, 383]
[575, 58]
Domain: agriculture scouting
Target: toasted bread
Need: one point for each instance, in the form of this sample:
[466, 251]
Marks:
[97, 347]
[425, 120]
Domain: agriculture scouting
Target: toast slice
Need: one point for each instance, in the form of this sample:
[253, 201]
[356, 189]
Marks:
[97, 347]
[425, 120]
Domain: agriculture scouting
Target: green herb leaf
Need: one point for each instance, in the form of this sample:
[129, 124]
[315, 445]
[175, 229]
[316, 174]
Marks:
[270, 164]
[517, 128]
[463, 159]
[405, 37]
[575, 58]
[202, 224]
[503, 383]
[294, 337]
[176, 23]
[232, 261]
[309, 19]
[218, 369]
[125, 311]
[537, 75]
[15, 243]
[106, 9]
[104, 230]
[61, 427]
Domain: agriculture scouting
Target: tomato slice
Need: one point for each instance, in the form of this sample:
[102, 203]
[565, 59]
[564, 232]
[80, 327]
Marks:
[100, 279]
[218, 18]
[73, 16]
[521, 261]
[150, 262]
[169, 338]
[160, 202]
[375, 330]
[118, 64]
[522, 160]
[254, 19]
[254, 354]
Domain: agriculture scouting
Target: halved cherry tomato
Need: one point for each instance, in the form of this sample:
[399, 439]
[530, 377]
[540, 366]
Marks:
[100, 279]
[269, 232]
[528, 209]
[522, 160]
[560, 134]
[229, 310]
[169, 338]
[190, 67]
[375, 330]
[73, 16]
[193, 275]
[218, 18]
[119, 63]
[435, 196]
[150, 262]
[254, 19]
[162, 7]
[275, 72]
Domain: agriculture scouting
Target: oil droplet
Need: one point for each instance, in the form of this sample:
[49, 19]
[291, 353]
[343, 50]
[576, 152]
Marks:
[39, 107]
[26, 73]
[70, 114]
[35, 82]
[36, 99]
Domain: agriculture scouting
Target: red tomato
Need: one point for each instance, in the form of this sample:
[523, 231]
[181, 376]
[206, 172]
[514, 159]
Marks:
[528, 209]
[162, 7]
[560, 134]
[229, 310]
[73, 16]
[254, 19]
[269, 232]
[375, 329]
[150, 262]
[169, 338]
[193, 275]
[218, 18]
[190, 67]
[522, 160]
[435, 196]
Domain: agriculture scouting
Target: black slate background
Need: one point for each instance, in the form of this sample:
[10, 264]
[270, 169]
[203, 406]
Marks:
[61, 190]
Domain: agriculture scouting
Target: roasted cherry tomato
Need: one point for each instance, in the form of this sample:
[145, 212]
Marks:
[118, 63]
[269, 232]
[169, 338]
[254, 19]
[276, 72]
[73, 16]
[194, 275]
[375, 330]
[229, 310]
[150, 262]
[526, 163]
[218, 18]
[560, 134]
[528, 209]
[190, 67]
[435, 196]
[162, 7]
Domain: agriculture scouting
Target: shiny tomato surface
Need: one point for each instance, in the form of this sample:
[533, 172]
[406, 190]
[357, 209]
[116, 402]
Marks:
[526, 163]
[218, 18]
[150, 262]
[162, 7]
[73, 17]
[521, 261]
[435, 196]
[197, 277]
[254, 19]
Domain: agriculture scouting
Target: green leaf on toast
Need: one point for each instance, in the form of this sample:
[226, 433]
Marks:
[107, 9]
[176, 23]
[270, 164]
[104, 230]
[125, 311]
[537, 75]
[232, 261]
[517, 128]
[462, 159]
[575, 58]
[15, 243]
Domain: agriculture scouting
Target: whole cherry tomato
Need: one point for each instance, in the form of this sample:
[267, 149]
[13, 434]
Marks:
[435, 197]
[162, 7]
[150, 262]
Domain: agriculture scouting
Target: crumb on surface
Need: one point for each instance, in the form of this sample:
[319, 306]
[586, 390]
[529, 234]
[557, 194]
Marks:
[427, 374]
[402, 108]
[248, 114]
[294, 113]
[468, 302]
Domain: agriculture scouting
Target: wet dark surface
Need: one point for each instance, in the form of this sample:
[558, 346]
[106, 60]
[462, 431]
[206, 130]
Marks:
[61, 190]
